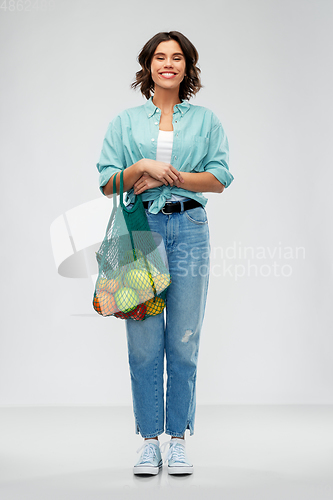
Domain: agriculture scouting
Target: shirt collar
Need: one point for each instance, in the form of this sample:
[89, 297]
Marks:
[151, 109]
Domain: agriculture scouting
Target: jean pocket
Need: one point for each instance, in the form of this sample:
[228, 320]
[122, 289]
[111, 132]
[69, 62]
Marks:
[197, 215]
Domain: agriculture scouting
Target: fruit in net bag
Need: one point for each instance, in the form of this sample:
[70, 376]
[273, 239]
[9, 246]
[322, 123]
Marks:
[110, 285]
[138, 313]
[154, 306]
[126, 299]
[161, 281]
[138, 279]
[104, 303]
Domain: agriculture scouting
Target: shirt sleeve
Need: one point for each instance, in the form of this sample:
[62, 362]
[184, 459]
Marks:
[112, 158]
[217, 159]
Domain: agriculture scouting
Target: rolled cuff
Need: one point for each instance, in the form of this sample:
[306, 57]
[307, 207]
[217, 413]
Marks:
[222, 174]
[106, 175]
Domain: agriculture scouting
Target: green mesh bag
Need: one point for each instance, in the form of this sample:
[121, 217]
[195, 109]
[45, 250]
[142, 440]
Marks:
[132, 274]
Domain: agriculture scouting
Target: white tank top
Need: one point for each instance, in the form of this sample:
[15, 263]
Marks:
[163, 153]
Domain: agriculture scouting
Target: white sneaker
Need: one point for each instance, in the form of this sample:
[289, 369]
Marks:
[176, 456]
[150, 461]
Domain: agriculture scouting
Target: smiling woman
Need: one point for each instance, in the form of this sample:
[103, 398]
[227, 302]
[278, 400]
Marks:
[168, 67]
[170, 152]
[184, 52]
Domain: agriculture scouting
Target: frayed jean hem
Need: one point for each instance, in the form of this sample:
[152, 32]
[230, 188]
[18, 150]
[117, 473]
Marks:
[155, 434]
[181, 434]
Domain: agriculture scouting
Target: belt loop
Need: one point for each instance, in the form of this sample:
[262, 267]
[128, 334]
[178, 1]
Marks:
[182, 205]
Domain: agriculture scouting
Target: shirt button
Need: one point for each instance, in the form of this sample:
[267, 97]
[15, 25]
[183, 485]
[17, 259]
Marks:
[177, 134]
[156, 123]
[157, 111]
[175, 157]
[176, 121]
[153, 140]
[149, 114]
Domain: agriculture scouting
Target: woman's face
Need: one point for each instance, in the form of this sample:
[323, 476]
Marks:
[168, 65]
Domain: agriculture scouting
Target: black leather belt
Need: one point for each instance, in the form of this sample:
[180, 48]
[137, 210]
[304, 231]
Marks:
[176, 206]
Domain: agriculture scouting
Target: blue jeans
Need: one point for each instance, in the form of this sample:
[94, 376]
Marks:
[175, 332]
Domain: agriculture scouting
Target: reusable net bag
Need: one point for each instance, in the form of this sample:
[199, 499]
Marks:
[132, 275]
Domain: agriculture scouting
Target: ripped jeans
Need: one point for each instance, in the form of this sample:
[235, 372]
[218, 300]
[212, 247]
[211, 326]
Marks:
[174, 333]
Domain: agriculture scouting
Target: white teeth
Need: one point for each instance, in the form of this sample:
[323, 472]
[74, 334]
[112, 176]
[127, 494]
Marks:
[168, 74]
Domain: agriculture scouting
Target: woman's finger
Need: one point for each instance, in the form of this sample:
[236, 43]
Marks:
[139, 190]
[139, 183]
[173, 175]
[141, 179]
[180, 177]
[171, 180]
[177, 174]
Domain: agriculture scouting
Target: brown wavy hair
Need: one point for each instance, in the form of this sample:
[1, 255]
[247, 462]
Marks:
[191, 83]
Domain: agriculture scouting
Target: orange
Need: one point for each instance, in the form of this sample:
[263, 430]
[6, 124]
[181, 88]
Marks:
[162, 281]
[154, 306]
[110, 286]
[96, 305]
[145, 295]
[101, 283]
[107, 303]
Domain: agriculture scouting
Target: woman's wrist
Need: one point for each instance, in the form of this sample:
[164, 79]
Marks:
[203, 182]
[140, 166]
[143, 166]
[131, 175]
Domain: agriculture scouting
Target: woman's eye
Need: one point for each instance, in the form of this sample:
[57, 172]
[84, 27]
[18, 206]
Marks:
[161, 58]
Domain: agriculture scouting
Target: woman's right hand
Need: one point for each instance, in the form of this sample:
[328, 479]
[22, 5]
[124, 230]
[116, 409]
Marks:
[161, 171]
[145, 182]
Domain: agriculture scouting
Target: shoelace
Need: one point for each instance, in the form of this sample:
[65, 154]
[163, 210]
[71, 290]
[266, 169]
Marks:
[176, 451]
[148, 452]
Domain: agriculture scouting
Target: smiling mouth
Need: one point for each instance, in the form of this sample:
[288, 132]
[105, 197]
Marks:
[168, 74]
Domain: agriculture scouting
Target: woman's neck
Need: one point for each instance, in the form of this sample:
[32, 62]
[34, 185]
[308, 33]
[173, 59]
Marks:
[166, 99]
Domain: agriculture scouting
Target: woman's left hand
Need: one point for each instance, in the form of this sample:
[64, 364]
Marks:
[146, 182]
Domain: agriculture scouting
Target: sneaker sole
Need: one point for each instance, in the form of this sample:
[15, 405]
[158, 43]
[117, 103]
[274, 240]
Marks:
[180, 470]
[146, 470]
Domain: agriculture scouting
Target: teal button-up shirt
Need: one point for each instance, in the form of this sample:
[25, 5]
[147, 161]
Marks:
[199, 145]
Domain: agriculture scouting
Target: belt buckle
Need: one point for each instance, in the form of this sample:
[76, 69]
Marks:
[162, 209]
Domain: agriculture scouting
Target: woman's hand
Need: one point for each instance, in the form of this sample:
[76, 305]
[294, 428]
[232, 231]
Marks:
[162, 172]
[146, 182]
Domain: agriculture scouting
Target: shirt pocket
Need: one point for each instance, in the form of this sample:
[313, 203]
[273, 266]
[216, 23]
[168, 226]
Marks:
[199, 149]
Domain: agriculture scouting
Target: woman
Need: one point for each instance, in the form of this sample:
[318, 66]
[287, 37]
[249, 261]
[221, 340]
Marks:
[171, 151]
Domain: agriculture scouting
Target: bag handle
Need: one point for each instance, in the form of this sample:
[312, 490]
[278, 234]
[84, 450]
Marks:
[121, 189]
[121, 195]
[114, 204]
[114, 191]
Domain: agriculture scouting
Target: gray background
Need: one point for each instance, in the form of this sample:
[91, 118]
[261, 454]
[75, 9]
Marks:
[266, 68]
